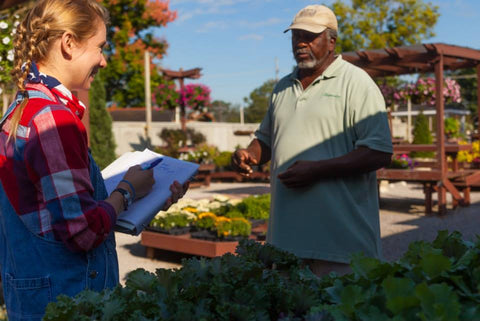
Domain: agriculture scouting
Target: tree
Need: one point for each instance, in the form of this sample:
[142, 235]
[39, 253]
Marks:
[468, 87]
[376, 24]
[101, 138]
[129, 34]
[421, 135]
[257, 102]
[225, 112]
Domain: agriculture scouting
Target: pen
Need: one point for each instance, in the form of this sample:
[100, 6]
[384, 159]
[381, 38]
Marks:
[153, 164]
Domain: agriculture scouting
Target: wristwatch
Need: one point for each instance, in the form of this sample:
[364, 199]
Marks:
[127, 197]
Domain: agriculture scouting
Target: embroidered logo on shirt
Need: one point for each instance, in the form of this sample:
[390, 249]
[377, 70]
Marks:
[331, 95]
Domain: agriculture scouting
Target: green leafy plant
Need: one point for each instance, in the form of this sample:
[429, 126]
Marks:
[255, 207]
[176, 138]
[422, 135]
[436, 280]
[452, 127]
[237, 226]
[223, 159]
[171, 220]
[206, 221]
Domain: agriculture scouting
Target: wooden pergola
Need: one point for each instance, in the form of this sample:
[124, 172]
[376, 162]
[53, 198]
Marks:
[424, 58]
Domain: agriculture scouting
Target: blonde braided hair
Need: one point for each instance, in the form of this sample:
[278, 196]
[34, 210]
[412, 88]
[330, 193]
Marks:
[46, 22]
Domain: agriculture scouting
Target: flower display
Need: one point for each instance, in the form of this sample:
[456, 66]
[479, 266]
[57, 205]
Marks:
[195, 96]
[7, 32]
[421, 92]
[165, 95]
[221, 217]
[402, 161]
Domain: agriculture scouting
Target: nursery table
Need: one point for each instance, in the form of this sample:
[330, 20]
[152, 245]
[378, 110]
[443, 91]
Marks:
[433, 179]
[186, 244]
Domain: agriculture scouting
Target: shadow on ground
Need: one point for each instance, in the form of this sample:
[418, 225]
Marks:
[404, 221]
[138, 250]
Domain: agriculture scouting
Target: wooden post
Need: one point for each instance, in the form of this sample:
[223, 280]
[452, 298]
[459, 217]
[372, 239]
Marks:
[440, 139]
[148, 98]
[478, 101]
[183, 113]
[409, 120]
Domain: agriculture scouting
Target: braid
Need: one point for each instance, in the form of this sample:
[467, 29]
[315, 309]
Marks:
[23, 52]
[44, 23]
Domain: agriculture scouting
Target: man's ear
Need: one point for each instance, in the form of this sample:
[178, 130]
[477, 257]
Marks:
[67, 44]
[332, 43]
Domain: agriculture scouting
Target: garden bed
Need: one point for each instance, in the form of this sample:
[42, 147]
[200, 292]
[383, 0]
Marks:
[185, 243]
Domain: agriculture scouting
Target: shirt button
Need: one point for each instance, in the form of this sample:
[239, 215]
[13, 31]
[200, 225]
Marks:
[93, 274]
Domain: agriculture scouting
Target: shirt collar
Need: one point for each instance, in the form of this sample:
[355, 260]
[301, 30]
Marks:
[62, 92]
[331, 71]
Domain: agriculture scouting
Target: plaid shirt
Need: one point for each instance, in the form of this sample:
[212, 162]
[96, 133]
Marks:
[45, 172]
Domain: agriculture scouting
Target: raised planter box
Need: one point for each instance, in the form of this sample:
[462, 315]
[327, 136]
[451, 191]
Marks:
[186, 244]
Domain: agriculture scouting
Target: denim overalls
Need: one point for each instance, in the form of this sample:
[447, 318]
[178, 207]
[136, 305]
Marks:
[36, 270]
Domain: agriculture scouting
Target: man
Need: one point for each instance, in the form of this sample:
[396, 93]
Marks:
[325, 132]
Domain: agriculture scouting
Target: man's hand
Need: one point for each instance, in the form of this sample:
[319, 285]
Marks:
[242, 161]
[300, 174]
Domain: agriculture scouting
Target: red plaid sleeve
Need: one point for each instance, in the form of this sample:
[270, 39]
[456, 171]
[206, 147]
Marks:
[58, 159]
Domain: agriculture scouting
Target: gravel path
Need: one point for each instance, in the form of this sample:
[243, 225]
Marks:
[401, 215]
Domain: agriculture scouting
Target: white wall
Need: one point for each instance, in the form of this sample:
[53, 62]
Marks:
[130, 135]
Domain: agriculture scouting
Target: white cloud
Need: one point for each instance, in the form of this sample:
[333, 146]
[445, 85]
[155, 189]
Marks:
[263, 23]
[252, 36]
[187, 9]
[212, 25]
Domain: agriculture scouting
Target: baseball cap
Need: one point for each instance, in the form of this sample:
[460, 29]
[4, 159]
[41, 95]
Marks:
[314, 18]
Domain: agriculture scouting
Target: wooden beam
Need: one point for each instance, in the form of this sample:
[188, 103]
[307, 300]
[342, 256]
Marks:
[440, 139]
[478, 100]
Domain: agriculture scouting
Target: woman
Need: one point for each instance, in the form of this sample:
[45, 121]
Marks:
[56, 219]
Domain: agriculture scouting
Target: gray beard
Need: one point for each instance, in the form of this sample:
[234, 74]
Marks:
[312, 63]
[307, 64]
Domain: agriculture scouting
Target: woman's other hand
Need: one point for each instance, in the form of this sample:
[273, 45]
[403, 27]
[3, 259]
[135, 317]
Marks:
[178, 190]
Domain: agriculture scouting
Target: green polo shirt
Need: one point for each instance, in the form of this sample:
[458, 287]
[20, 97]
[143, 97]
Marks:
[340, 111]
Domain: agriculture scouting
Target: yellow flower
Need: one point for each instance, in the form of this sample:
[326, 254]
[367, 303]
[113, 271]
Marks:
[207, 214]
[190, 209]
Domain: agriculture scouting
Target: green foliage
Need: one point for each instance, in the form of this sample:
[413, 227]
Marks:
[257, 102]
[206, 221]
[452, 127]
[224, 111]
[433, 281]
[236, 226]
[468, 88]
[171, 220]
[102, 142]
[9, 20]
[375, 24]
[176, 138]
[129, 34]
[255, 207]
[223, 159]
[421, 135]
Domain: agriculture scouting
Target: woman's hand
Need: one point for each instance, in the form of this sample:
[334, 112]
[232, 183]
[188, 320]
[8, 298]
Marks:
[141, 179]
[178, 190]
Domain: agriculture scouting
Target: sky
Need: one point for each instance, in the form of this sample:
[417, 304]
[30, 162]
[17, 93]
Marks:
[239, 44]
